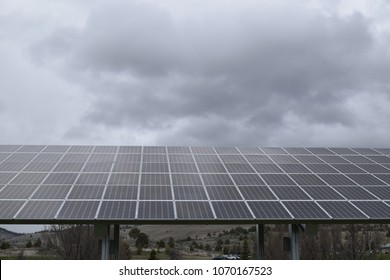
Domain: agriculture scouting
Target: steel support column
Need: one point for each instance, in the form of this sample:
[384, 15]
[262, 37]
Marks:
[260, 242]
[116, 242]
[106, 243]
[293, 230]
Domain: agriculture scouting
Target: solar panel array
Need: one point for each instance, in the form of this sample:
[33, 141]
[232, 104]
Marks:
[54, 184]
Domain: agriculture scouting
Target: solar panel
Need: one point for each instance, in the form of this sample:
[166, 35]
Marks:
[277, 179]
[130, 150]
[156, 210]
[39, 210]
[341, 210]
[12, 166]
[247, 180]
[127, 179]
[152, 167]
[121, 192]
[86, 192]
[294, 168]
[52, 192]
[189, 193]
[336, 179]
[321, 168]
[179, 183]
[322, 193]
[380, 192]
[122, 210]
[155, 193]
[78, 210]
[257, 193]
[374, 209]
[8, 209]
[289, 193]
[239, 168]
[17, 191]
[269, 210]
[183, 168]
[355, 193]
[223, 193]
[305, 210]
[150, 179]
[232, 210]
[197, 210]
[92, 178]
[186, 180]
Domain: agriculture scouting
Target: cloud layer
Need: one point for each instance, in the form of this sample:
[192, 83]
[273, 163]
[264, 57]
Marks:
[221, 73]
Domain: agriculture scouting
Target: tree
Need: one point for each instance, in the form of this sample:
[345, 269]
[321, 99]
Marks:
[73, 242]
[38, 243]
[134, 233]
[29, 244]
[5, 245]
[153, 255]
[142, 240]
[171, 242]
[226, 250]
[245, 254]
[160, 244]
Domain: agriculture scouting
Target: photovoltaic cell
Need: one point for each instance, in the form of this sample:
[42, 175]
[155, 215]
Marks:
[160, 158]
[121, 193]
[211, 168]
[97, 167]
[203, 150]
[52, 192]
[55, 149]
[130, 150]
[297, 151]
[333, 159]
[374, 209]
[152, 167]
[78, 210]
[128, 158]
[384, 177]
[75, 158]
[348, 168]
[61, 178]
[239, 168]
[29, 178]
[341, 210]
[3, 156]
[150, 179]
[258, 159]
[358, 159]
[127, 179]
[233, 159]
[343, 151]
[86, 192]
[92, 179]
[273, 150]
[247, 180]
[31, 149]
[101, 158]
[189, 193]
[267, 168]
[305, 210]
[320, 151]
[8, 209]
[308, 159]
[336, 179]
[379, 159]
[155, 210]
[12, 166]
[194, 210]
[105, 149]
[186, 180]
[226, 150]
[207, 159]
[366, 179]
[249, 150]
[223, 193]
[117, 210]
[9, 148]
[155, 193]
[355, 193]
[277, 179]
[321, 168]
[81, 149]
[183, 168]
[374, 168]
[217, 180]
[380, 192]
[21, 157]
[179, 150]
[283, 159]
[17, 191]
[126, 167]
[268, 210]
[40, 166]
[322, 193]
[154, 150]
[294, 168]
[48, 157]
[69, 167]
[231, 210]
[257, 193]
[39, 210]
[365, 151]
[307, 180]
[289, 193]
[181, 158]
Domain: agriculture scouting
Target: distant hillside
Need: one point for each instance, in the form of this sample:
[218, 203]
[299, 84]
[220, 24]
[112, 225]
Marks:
[6, 234]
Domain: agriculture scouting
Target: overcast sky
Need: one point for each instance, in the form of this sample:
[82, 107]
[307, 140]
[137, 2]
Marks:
[195, 72]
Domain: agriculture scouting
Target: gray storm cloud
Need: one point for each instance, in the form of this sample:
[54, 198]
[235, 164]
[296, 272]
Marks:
[267, 74]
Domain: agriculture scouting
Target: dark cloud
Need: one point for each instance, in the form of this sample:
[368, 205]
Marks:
[223, 74]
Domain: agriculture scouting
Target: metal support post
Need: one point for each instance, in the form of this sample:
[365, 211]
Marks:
[116, 242]
[260, 242]
[106, 243]
[294, 239]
